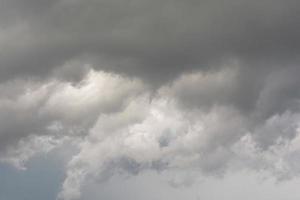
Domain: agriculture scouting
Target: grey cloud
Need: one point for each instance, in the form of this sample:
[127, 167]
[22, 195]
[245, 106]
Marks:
[279, 127]
[257, 95]
[217, 71]
[280, 93]
[160, 39]
[262, 99]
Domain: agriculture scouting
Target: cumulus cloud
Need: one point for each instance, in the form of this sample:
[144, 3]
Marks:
[197, 122]
[207, 86]
[164, 137]
[58, 109]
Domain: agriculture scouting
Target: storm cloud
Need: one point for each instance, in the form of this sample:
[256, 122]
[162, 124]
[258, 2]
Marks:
[156, 40]
[130, 86]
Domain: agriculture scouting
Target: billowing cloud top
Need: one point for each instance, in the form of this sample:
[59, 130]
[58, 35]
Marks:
[134, 85]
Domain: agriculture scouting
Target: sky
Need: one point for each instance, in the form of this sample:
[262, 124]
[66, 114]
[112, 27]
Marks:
[149, 99]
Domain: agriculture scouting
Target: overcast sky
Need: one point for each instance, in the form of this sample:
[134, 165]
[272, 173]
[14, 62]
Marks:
[149, 99]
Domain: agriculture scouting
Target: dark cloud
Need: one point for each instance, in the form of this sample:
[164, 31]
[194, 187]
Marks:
[159, 41]
[152, 84]
[155, 40]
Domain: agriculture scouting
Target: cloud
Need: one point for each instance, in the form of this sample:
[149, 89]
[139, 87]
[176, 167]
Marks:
[18, 155]
[196, 123]
[58, 109]
[210, 86]
[155, 40]
[160, 136]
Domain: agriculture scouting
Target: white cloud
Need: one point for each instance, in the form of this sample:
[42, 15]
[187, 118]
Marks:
[156, 133]
[53, 110]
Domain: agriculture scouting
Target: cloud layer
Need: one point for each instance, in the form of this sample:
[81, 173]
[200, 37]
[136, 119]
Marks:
[136, 85]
